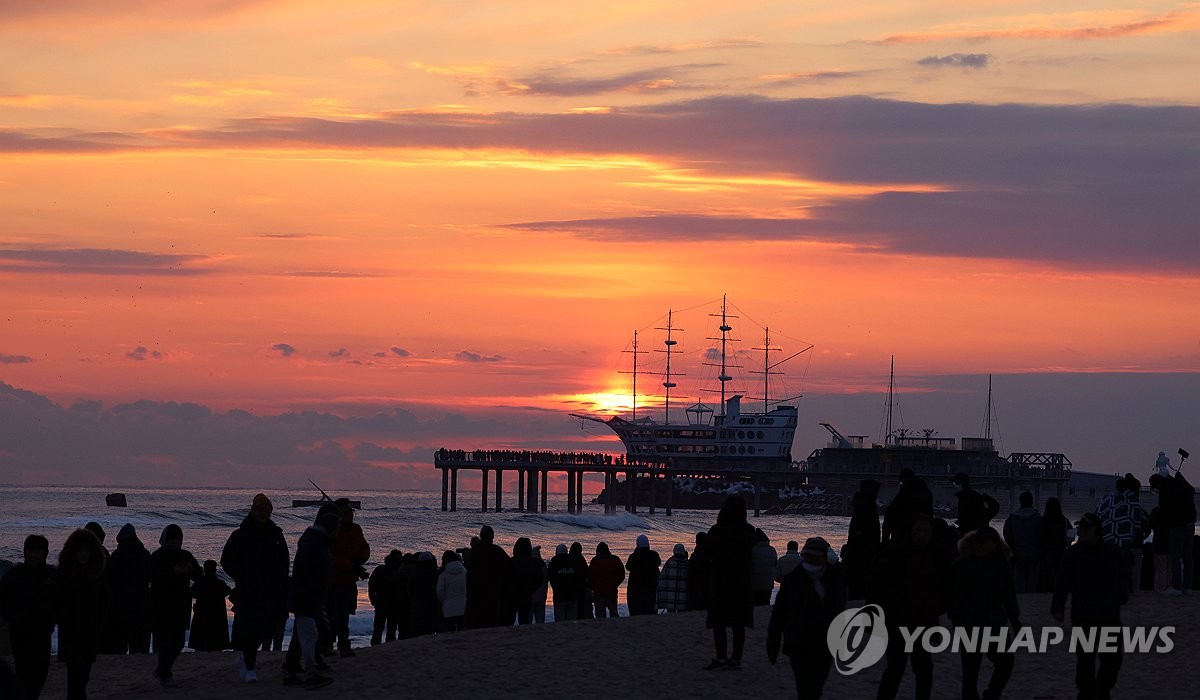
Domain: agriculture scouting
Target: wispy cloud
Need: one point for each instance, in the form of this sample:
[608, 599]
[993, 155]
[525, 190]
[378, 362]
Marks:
[957, 60]
[806, 77]
[340, 352]
[6, 359]
[1070, 29]
[474, 357]
[142, 353]
[558, 82]
[399, 351]
[284, 349]
[715, 45]
[97, 261]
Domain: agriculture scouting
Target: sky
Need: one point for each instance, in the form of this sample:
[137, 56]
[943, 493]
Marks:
[253, 243]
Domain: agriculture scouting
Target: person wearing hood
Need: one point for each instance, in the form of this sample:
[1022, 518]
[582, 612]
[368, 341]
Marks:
[605, 574]
[81, 597]
[382, 590]
[1021, 530]
[350, 553]
[730, 601]
[912, 498]
[173, 569]
[525, 576]
[975, 509]
[567, 580]
[672, 582]
[452, 591]
[763, 558]
[642, 566]
[210, 623]
[863, 538]
[256, 557]
[306, 597]
[27, 603]
[127, 626]
[983, 595]
[808, 600]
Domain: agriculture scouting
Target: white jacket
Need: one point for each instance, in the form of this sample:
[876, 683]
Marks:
[452, 589]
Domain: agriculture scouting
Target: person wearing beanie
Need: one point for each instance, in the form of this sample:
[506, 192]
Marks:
[642, 566]
[672, 581]
[452, 591]
[256, 557]
[567, 581]
[808, 600]
[173, 570]
[127, 624]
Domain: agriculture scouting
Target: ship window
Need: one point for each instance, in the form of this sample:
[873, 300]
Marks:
[760, 435]
[741, 449]
[750, 450]
[741, 435]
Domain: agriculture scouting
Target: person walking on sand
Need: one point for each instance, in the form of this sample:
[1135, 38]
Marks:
[908, 581]
[1021, 530]
[307, 595]
[81, 596]
[173, 569]
[27, 603]
[983, 594]
[605, 574]
[642, 566]
[350, 553]
[672, 582]
[730, 601]
[809, 598]
[1093, 576]
[210, 623]
[127, 625]
[257, 558]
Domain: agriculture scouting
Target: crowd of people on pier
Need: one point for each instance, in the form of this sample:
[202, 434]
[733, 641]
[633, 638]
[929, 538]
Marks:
[540, 457]
[915, 566]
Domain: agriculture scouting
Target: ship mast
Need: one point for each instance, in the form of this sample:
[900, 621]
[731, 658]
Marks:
[635, 352]
[766, 370]
[724, 328]
[888, 439]
[670, 344]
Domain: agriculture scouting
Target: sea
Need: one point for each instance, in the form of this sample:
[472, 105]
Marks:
[405, 520]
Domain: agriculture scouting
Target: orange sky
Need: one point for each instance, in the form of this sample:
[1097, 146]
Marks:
[470, 205]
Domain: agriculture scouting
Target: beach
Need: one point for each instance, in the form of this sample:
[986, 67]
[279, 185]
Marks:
[654, 656]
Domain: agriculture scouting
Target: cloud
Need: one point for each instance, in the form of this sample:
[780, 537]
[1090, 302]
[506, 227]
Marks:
[340, 352]
[957, 60]
[468, 356]
[559, 83]
[719, 44]
[14, 359]
[141, 353]
[1098, 30]
[98, 261]
[284, 349]
[399, 351]
[332, 274]
[806, 77]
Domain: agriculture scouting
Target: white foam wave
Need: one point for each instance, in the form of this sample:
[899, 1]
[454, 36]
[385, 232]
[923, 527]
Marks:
[616, 522]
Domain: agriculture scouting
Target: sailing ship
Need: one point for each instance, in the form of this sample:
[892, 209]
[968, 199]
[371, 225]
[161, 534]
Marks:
[728, 439]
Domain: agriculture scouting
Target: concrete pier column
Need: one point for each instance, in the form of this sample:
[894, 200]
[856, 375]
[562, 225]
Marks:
[485, 473]
[579, 493]
[545, 487]
[521, 490]
[453, 490]
[570, 492]
[445, 489]
[499, 489]
[631, 492]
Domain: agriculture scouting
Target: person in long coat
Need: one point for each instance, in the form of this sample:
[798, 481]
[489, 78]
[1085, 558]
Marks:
[27, 603]
[642, 566]
[81, 592]
[487, 580]
[127, 626]
[256, 557]
[174, 569]
[730, 602]
[210, 622]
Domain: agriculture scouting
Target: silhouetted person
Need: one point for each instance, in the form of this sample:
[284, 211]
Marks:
[27, 603]
[643, 564]
[306, 598]
[425, 610]
[350, 553]
[975, 509]
[539, 593]
[698, 575]
[809, 598]
[1093, 575]
[790, 560]
[863, 537]
[382, 590]
[487, 576]
[763, 559]
[81, 594]
[605, 574]
[256, 557]
[912, 498]
[567, 581]
[1055, 534]
[585, 611]
[1177, 498]
[525, 576]
[1021, 534]
[210, 622]
[1161, 551]
[730, 603]
[127, 625]
[672, 581]
[452, 591]
[173, 569]
[1124, 523]
[983, 594]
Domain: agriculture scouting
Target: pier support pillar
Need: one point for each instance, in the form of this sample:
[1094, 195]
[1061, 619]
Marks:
[570, 492]
[521, 490]
[445, 489]
[545, 485]
[499, 489]
[631, 494]
[579, 492]
[485, 473]
[453, 490]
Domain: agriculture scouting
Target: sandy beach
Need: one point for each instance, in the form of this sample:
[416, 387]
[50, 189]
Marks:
[658, 656]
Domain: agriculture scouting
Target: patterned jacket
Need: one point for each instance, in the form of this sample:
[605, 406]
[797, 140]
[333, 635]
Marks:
[672, 584]
[1122, 520]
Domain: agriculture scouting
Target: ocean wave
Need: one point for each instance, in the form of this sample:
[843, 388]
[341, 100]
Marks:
[616, 523]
